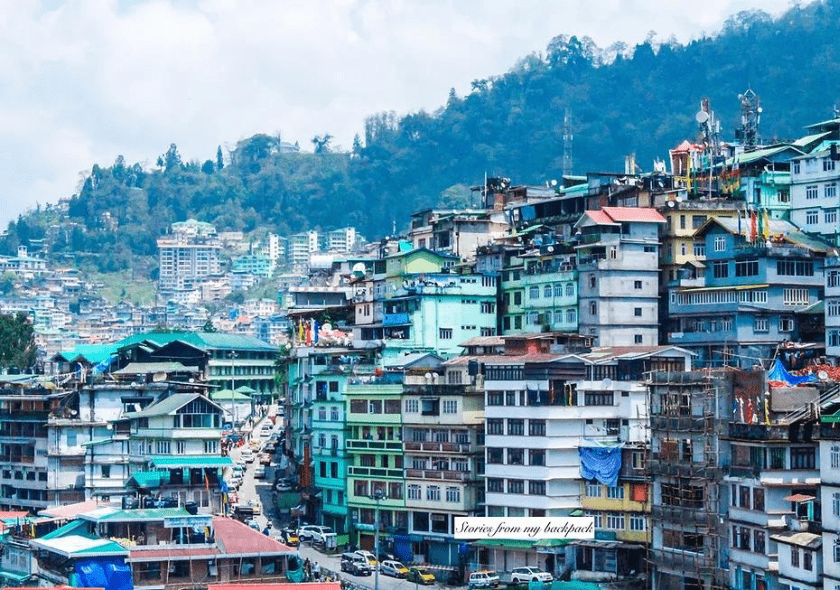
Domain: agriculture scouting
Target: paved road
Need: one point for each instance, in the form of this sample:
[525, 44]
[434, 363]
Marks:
[252, 488]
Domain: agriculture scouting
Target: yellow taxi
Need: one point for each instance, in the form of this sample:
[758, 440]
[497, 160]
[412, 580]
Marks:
[421, 575]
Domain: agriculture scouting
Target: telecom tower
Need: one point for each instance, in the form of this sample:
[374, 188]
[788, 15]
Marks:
[567, 143]
[750, 117]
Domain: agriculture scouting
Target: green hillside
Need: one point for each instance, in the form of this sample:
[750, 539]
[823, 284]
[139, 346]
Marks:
[640, 100]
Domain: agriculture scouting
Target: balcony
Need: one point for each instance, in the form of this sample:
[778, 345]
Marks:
[462, 476]
[374, 472]
[441, 447]
[374, 445]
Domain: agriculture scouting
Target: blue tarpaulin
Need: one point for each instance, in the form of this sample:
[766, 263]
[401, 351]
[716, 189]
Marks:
[600, 463]
[99, 573]
[779, 373]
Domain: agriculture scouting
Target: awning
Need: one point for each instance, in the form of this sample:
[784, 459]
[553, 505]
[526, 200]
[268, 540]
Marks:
[506, 543]
[799, 498]
[190, 461]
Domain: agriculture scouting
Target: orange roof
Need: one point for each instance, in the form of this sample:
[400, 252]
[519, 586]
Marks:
[599, 217]
[634, 214]
[13, 514]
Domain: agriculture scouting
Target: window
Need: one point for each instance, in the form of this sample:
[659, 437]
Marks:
[615, 493]
[570, 289]
[515, 456]
[835, 456]
[433, 493]
[637, 311]
[495, 426]
[534, 293]
[637, 338]
[759, 541]
[412, 406]
[571, 316]
[445, 333]
[495, 398]
[638, 522]
[453, 494]
[786, 324]
[746, 268]
[516, 427]
[807, 560]
[761, 325]
[830, 215]
[106, 471]
[795, 268]
[615, 521]
[802, 458]
[593, 490]
[536, 488]
[592, 281]
[598, 518]
[682, 221]
[796, 167]
[510, 398]
[515, 486]
[536, 457]
[495, 455]
[812, 191]
[547, 291]
[517, 297]
[812, 217]
[720, 269]
[700, 249]
[697, 221]
[211, 447]
[450, 406]
[593, 308]
[558, 289]
[496, 485]
[536, 427]
[720, 243]
[795, 296]
[598, 398]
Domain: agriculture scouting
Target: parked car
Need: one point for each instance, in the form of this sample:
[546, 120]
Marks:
[284, 485]
[259, 472]
[265, 458]
[248, 455]
[317, 533]
[483, 579]
[519, 575]
[256, 505]
[253, 524]
[305, 532]
[369, 557]
[393, 568]
[420, 575]
[355, 564]
[289, 537]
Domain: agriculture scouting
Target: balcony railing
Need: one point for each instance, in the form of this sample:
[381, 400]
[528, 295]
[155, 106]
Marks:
[441, 447]
[438, 474]
[374, 471]
[368, 445]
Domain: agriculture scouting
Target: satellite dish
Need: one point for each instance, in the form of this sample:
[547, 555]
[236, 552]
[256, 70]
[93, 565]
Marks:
[822, 375]
[359, 269]
[672, 204]
[157, 377]
[550, 248]
[553, 183]
[701, 117]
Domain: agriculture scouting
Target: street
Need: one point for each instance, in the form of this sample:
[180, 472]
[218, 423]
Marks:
[252, 488]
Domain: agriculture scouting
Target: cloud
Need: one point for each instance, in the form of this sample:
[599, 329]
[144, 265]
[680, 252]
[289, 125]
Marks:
[86, 80]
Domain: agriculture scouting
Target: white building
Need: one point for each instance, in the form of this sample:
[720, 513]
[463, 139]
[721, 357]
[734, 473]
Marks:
[618, 275]
[188, 256]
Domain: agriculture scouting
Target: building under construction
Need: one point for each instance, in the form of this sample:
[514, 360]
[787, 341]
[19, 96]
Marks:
[689, 541]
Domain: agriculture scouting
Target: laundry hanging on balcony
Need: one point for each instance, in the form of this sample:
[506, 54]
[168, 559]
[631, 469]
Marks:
[601, 463]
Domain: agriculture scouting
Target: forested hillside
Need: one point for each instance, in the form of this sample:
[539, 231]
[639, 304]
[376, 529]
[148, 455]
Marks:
[623, 99]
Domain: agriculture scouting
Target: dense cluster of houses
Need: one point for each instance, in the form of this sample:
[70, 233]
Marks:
[630, 347]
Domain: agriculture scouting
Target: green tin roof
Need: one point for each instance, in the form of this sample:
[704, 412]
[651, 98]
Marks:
[168, 406]
[147, 479]
[190, 461]
[226, 395]
[134, 515]
[510, 543]
[75, 527]
[14, 576]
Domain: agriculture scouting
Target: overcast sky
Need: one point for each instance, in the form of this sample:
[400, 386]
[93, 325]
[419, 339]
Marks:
[87, 80]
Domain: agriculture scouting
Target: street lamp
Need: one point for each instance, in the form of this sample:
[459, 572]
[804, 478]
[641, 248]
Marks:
[378, 496]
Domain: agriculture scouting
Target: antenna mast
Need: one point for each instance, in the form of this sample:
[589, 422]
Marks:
[567, 143]
[750, 117]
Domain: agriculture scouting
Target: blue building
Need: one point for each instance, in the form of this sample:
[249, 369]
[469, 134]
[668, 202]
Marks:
[752, 296]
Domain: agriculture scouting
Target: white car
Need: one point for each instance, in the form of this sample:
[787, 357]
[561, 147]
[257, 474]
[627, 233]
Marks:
[313, 532]
[519, 575]
[259, 472]
[248, 455]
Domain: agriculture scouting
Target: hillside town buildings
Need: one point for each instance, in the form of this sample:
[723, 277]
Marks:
[656, 352]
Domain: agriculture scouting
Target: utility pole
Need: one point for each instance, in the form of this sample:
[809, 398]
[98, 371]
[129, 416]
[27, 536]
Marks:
[378, 495]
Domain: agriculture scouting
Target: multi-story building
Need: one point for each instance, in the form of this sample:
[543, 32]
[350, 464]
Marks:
[689, 547]
[443, 438]
[832, 306]
[425, 307]
[752, 293]
[459, 233]
[539, 289]
[618, 275]
[375, 463]
[814, 179]
[300, 247]
[340, 240]
[188, 255]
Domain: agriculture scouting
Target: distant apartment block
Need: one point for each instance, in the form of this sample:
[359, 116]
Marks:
[188, 255]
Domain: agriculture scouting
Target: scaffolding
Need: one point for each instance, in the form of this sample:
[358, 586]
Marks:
[689, 541]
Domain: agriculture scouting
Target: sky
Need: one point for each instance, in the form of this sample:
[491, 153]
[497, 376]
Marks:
[85, 81]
